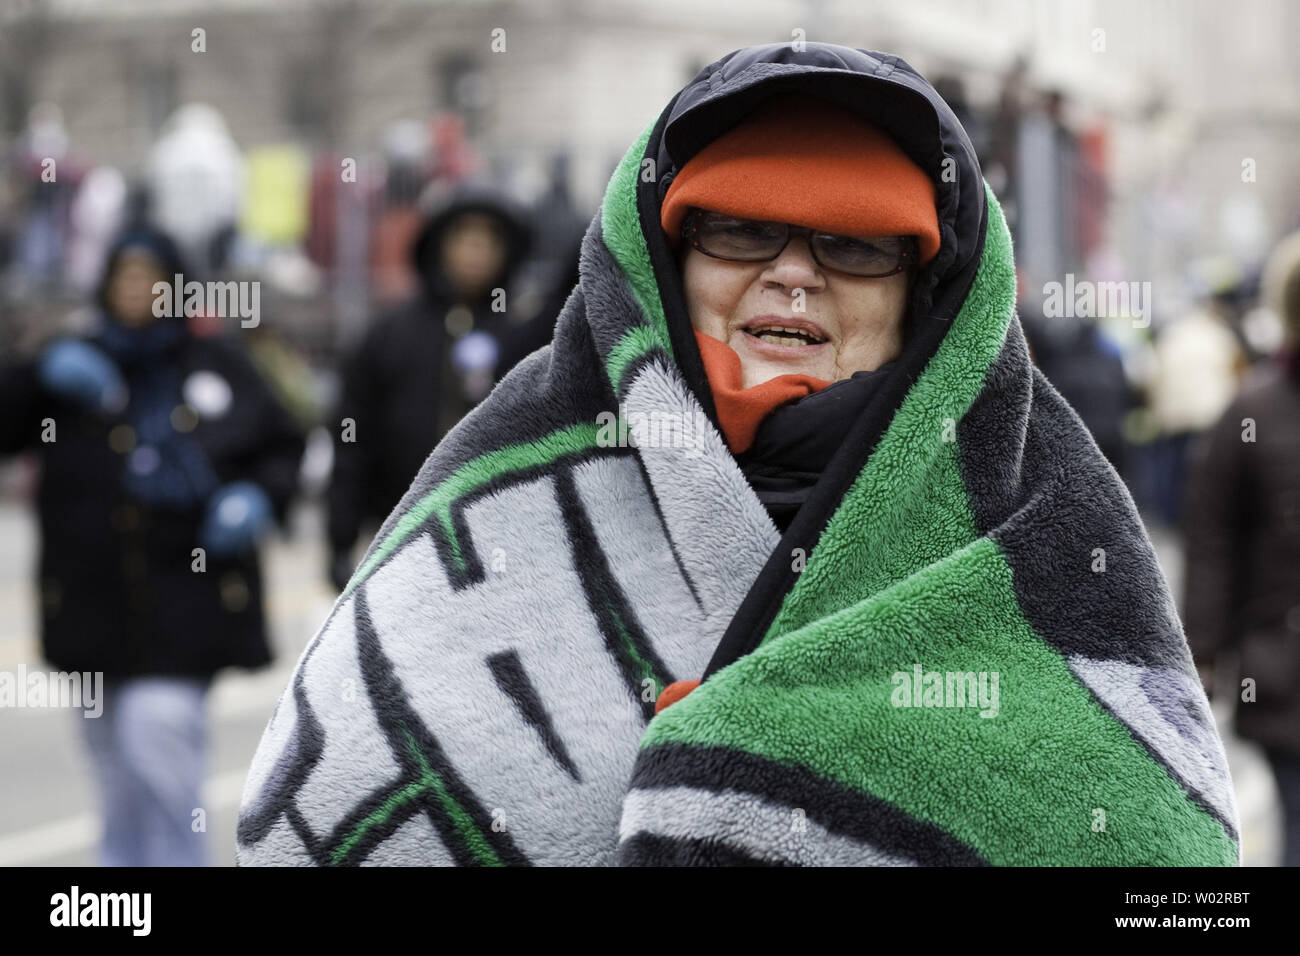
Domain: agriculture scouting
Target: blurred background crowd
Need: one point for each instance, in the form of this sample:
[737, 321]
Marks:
[383, 169]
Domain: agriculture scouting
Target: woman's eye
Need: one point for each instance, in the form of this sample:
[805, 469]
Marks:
[858, 247]
[747, 230]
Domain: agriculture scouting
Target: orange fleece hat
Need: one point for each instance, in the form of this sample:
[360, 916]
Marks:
[813, 163]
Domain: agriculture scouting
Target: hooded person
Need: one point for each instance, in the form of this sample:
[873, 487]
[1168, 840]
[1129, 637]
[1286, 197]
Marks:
[164, 459]
[421, 367]
[781, 552]
[1242, 528]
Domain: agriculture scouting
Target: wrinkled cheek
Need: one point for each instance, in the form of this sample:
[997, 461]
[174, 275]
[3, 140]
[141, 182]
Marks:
[714, 293]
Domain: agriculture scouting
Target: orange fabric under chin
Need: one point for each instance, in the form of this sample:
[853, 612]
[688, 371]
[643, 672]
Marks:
[740, 410]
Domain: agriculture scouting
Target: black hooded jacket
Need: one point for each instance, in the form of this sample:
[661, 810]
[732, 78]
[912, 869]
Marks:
[401, 389]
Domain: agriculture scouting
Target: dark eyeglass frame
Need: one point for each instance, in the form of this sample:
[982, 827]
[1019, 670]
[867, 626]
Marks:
[691, 233]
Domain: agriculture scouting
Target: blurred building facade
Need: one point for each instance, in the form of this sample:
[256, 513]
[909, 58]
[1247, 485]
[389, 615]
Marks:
[1187, 91]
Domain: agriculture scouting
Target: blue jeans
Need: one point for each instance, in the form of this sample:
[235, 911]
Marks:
[149, 750]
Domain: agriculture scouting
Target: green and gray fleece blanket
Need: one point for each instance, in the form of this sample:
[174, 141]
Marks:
[961, 652]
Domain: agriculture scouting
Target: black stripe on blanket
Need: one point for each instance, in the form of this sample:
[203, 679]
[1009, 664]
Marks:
[1003, 452]
[652, 849]
[851, 813]
[292, 768]
[667, 531]
[624, 637]
[398, 719]
[508, 671]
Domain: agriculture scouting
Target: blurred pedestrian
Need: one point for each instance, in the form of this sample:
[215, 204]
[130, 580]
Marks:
[196, 179]
[1088, 370]
[1243, 548]
[164, 460]
[47, 177]
[1198, 365]
[421, 367]
[408, 168]
[538, 330]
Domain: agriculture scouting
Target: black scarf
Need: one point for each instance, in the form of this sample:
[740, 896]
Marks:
[794, 443]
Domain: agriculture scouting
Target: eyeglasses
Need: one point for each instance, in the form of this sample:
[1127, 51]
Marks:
[753, 240]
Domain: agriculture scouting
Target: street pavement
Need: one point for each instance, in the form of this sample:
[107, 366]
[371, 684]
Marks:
[47, 797]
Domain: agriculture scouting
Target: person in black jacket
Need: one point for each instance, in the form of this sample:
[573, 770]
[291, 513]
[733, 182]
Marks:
[1242, 527]
[420, 368]
[164, 459]
[1088, 372]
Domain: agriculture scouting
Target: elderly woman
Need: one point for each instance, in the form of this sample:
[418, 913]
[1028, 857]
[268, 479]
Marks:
[875, 598]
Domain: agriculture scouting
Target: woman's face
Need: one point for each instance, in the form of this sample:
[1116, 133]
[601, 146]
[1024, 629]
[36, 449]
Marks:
[857, 321]
[130, 290]
[473, 253]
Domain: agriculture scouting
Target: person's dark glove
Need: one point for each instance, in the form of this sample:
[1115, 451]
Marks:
[81, 373]
[238, 514]
[340, 568]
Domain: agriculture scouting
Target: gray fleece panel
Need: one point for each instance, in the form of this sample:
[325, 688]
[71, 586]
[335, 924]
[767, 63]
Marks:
[1159, 706]
[723, 537]
[678, 572]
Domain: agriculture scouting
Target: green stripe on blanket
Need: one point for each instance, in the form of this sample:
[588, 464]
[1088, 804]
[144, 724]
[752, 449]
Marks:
[473, 475]
[621, 228]
[1018, 787]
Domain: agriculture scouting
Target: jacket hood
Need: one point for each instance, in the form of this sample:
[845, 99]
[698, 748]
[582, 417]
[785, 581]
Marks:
[145, 239]
[882, 89]
[442, 204]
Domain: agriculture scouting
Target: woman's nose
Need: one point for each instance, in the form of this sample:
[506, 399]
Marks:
[794, 268]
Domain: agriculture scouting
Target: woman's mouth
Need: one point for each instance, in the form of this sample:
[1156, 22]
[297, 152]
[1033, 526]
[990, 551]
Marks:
[779, 335]
[785, 333]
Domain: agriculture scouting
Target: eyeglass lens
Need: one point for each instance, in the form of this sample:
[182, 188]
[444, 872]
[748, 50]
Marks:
[752, 240]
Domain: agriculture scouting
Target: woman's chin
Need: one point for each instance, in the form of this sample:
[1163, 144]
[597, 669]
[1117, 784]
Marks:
[761, 361]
